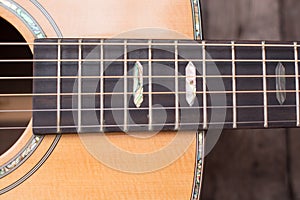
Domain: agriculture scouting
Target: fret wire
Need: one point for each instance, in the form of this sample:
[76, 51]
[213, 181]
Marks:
[58, 86]
[79, 84]
[204, 86]
[297, 83]
[150, 85]
[265, 85]
[234, 85]
[125, 129]
[101, 87]
[176, 87]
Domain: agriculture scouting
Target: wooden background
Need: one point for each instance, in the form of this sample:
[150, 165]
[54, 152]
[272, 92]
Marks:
[253, 164]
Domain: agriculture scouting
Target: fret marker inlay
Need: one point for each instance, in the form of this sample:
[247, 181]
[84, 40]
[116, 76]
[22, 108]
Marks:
[280, 83]
[138, 84]
[190, 83]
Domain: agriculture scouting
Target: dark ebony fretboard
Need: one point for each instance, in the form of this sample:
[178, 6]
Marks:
[87, 85]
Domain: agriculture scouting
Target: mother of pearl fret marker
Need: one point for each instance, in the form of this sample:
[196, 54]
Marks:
[261, 85]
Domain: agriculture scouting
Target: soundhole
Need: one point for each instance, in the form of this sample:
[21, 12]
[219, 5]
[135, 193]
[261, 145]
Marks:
[15, 111]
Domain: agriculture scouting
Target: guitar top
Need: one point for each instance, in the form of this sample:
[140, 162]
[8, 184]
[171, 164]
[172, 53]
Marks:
[81, 164]
[111, 99]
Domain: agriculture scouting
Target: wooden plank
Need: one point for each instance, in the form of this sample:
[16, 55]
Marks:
[293, 173]
[245, 164]
[291, 30]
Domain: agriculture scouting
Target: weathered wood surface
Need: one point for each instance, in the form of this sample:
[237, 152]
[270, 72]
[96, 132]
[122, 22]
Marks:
[253, 164]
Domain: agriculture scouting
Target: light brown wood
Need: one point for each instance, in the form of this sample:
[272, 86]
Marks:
[71, 172]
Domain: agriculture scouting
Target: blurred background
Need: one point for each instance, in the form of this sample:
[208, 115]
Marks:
[253, 164]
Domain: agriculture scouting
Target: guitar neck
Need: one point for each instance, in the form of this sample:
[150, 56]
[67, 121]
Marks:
[95, 85]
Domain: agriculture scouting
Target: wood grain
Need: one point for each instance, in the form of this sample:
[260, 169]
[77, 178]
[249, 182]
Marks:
[71, 172]
[253, 164]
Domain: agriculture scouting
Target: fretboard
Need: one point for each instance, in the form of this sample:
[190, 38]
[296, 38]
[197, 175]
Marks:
[108, 85]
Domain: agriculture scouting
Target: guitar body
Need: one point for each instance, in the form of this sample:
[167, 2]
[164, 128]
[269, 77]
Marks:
[62, 166]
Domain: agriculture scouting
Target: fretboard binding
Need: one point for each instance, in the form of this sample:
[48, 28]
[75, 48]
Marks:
[265, 86]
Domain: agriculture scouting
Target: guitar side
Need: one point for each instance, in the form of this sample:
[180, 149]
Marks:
[60, 167]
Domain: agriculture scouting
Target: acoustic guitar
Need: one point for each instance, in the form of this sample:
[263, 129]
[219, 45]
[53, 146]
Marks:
[122, 93]
[62, 164]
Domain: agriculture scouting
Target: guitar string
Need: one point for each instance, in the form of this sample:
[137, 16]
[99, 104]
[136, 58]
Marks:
[88, 61]
[153, 93]
[144, 108]
[217, 124]
[138, 109]
[145, 77]
[180, 43]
